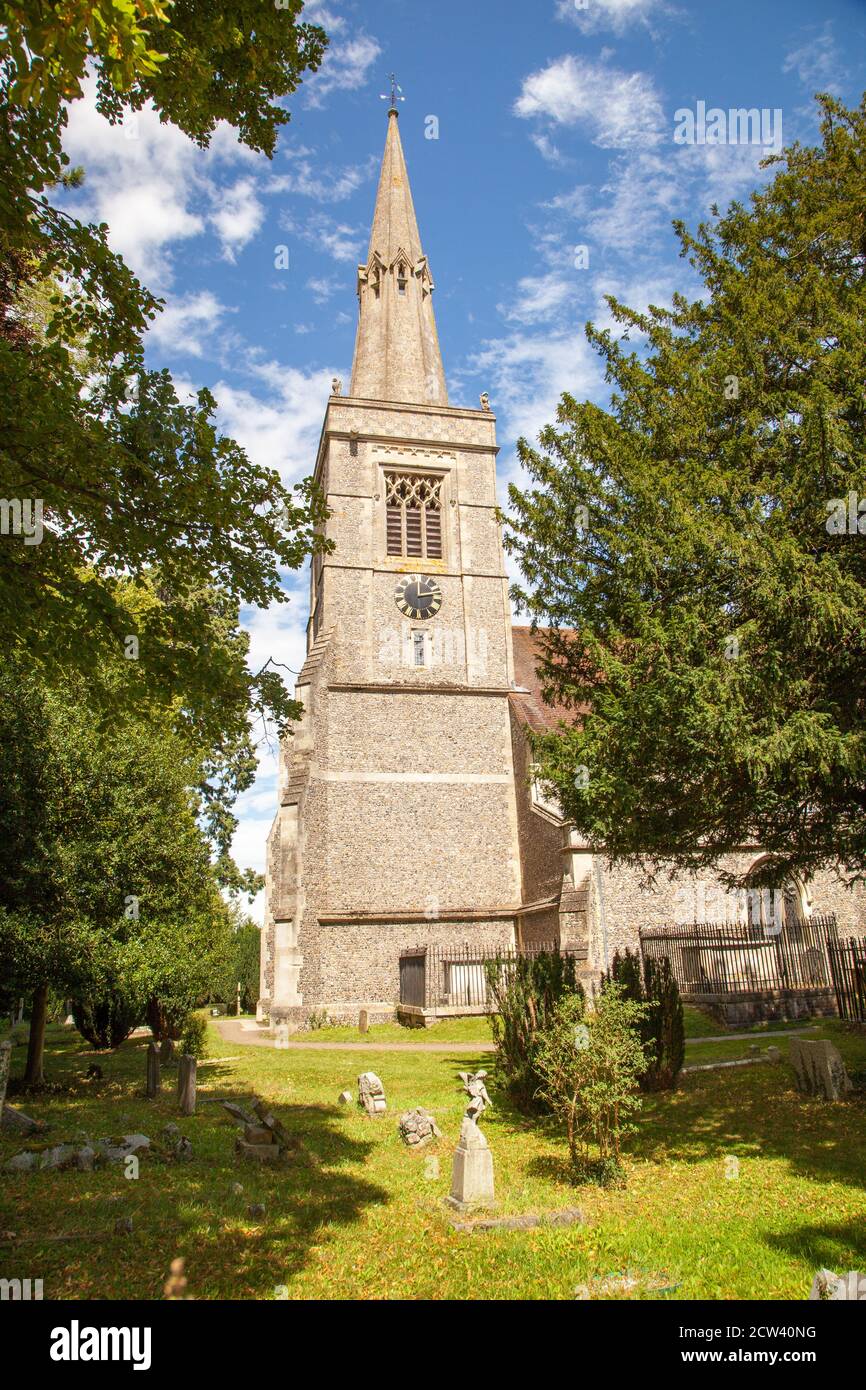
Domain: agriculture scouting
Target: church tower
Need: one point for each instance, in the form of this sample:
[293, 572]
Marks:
[397, 823]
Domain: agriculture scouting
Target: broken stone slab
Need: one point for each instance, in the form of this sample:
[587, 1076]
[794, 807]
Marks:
[23, 1162]
[16, 1122]
[271, 1122]
[237, 1112]
[259, 1153]
[828, 1287]
[345, 1098]
[259, 1134]
[819, 1069]
[417, 1127]
[116, 1150]
[570, 1216]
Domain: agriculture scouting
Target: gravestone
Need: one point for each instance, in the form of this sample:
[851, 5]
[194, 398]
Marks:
[345, 1098]
[166, 1051]
[186, 1085]
[819, 1069]
[152, 1069]
[371, 1093]
[5, 1063]
[363, 1023]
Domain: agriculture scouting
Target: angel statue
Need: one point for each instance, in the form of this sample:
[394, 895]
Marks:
[479, 1100]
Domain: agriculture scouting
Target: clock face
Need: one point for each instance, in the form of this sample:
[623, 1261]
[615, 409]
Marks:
[418, 596]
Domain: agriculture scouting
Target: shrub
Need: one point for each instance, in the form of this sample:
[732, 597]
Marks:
[525, 992]
[105, 1019]
[662, 1029]
[193, 1042]
[589, 1062]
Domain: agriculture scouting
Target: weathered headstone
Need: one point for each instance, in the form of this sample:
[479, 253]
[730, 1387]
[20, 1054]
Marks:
[152, 1069]
[371, 1093]
[166, 1051]
[363, 1023]
[472, 1170]
[186, 1085]
[819, 1069]
[5, 1064]
[345, 1098]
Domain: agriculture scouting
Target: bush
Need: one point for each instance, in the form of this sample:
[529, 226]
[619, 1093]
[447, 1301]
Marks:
[105, 1020]
[525, 992]
[662, 1029]
[589, 1063]
[193, 1042]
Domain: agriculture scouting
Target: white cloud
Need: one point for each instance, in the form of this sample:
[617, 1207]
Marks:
[323, 286]
[336, 239]
[185, 323]
[546, 148]
[345, 67]
[239, 216]
[621, 109]
[155, 187]
[607, 14]
[323, 186]
[818, 63]
[538, 297]
[527, 374]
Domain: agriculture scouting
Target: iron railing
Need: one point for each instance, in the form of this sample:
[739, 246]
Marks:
[455, 977]
[848, 971]
[710, 958]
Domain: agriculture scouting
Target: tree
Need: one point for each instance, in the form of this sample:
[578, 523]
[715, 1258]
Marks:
[662, 1028]
[524, 992]
[589, 1061]
[106, 880]
[126, 479]
[696, 551]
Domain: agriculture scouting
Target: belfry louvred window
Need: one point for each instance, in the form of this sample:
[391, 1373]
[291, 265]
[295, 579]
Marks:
[413, 508]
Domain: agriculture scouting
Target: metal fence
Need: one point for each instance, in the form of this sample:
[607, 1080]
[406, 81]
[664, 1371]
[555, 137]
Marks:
[455, 977]
[848, 971]
[737, 958]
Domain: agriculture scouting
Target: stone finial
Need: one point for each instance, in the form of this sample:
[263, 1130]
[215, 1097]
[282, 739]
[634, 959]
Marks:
[485, 401]
[336, 386]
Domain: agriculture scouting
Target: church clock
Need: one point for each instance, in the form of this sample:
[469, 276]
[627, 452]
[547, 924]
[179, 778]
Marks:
[418, 596]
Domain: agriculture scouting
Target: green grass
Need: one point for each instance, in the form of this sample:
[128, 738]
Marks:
[456, 1030]
[368, 1222]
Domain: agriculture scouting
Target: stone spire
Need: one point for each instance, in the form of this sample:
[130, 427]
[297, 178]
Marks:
[397, 354]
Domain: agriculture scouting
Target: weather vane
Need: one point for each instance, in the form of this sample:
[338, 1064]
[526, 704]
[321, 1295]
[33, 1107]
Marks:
[395, 88]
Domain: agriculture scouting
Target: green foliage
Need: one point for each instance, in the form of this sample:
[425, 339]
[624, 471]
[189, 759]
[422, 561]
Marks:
[662, 1029]
[193, 1041]
[588, 1062]
[524, 993]
[242, 961]
[132, 482]
[678, 544]
[106, 880]
[106, 1019]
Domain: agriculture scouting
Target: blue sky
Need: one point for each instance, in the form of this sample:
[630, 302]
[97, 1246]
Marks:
[555, 132]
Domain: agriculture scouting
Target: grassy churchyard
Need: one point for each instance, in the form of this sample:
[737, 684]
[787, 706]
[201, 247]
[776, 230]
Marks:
[355, 1214]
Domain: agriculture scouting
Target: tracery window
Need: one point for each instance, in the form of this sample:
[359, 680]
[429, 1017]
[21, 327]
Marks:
[413, 508]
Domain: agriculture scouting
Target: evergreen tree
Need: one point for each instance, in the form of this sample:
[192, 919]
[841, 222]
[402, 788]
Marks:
[697, 549]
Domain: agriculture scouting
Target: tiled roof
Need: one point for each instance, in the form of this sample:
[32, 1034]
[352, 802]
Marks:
[529, 706]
